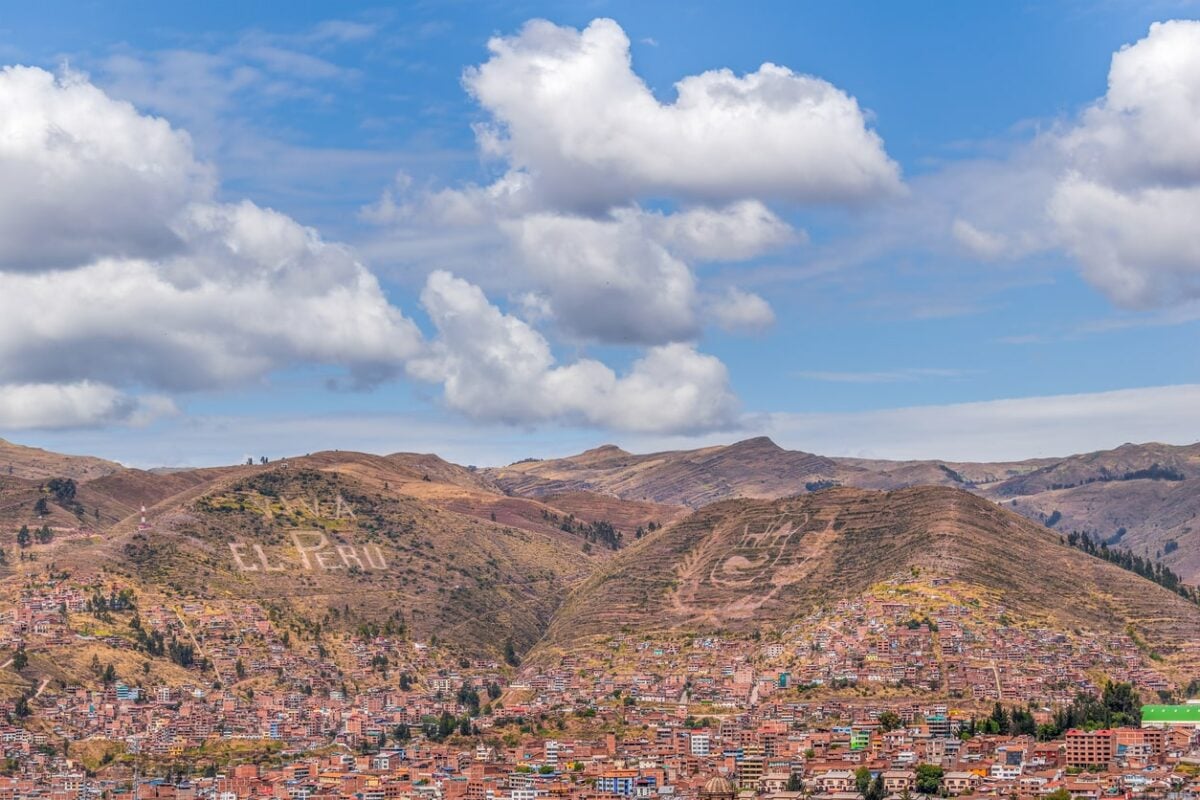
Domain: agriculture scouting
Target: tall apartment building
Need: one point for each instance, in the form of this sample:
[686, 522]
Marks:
[1090, 748]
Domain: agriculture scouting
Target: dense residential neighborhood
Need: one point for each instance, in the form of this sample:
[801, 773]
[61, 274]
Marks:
[865, 699]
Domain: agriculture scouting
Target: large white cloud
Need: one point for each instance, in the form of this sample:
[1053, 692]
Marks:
[736, 232]
[607, 279]
[1146, 129]
[1128, 204]
[1142, 247]
[121, 274]
[75, 405]
[623, 279]
[252, 292]
[84, 176]
[569, 112]
[495, 366]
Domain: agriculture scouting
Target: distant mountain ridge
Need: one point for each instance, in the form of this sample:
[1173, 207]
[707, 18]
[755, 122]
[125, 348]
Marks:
[1141, 497]
[752, 468]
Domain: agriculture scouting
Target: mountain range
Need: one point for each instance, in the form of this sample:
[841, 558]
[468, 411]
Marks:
[547, 556]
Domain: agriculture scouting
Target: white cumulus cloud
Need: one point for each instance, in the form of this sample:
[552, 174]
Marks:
[737, 310]
[569, 111]
[623, 278]
[86, 176]
[75, 405]
[607, 279]
[120, 274]
[124, 276]
[609, 198]
[736, 232]
[494, 366]
[1127, 204]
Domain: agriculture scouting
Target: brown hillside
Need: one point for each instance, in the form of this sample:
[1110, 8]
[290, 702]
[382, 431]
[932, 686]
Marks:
[693, 478]
[35, 464]
[752, 564]
[1125, 463]
[381, 556]
[1144, 498]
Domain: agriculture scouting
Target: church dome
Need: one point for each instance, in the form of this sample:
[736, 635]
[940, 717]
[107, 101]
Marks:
[718, 787]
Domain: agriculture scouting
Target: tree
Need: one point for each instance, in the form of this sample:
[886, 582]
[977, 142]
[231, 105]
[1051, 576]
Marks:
[1022, 723]
[510, 654]
[889, 721]
[862, 780]
[1000, 718]
[20, 660]
[1061, 793]
[1123, 703]
[929, 778]
[1047, 731]
[445, 726]
[23, 537]
[795, 781]
[876, 790]
[63, 489]
[467, 696]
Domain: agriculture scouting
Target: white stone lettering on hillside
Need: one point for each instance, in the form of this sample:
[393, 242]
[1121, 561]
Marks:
[313, 551]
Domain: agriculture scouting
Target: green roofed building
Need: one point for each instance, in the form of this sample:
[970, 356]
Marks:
[1170, 716]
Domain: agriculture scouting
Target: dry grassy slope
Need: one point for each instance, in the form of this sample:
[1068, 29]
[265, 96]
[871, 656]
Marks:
[693, 478]
[1104, 465]
[469, 581]
[472, 493]
[625, 515]
[112, 502]
[1092, 493]
[442, 471]
[877, 474]
[1153, 514]
[121, 495]
[35, 464]
[742, 564]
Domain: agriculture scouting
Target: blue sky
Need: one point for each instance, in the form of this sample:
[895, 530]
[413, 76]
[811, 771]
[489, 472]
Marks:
[969, 305]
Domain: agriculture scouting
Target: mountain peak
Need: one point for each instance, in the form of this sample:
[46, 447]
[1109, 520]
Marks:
[603, 450]
[755, 443]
